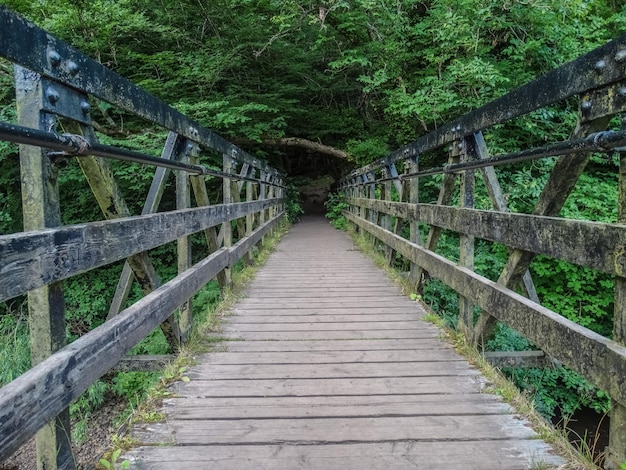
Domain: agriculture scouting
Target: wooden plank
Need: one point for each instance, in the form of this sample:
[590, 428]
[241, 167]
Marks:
[329, 335]
[313, 303]
[603, 361]
[330, 370]
[183, 244]
[334, 406]
[337, 345]
[36, 258]
[349, 430]
[332, 356]
[510, 454]
[323, 318]
[444, 384]
[596, 245]
[328, 326]
[61, 378]
[330, 310]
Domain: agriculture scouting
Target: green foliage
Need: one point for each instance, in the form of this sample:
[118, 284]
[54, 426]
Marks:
[293, 206]
[559, 389]
[84, 406]
[335, 205]
[14, 341]
[132, 386]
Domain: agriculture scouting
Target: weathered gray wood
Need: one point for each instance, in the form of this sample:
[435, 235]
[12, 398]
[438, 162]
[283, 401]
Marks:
[330, 370]
[559, 186]
[327, 326]
[329, 356]
[226, 229]
[596, 245]
[61, 378]
[46, 305]
[333, 406]
[446, 384]
[43, 256]
[597, 358]
[513, 454]
[244, 245]
[325, 334]
[183, 244]
[321, 317]
[465, 322]
[151, 205]
[617, 423]
[499, 202]
[337, 345]
[293, 391]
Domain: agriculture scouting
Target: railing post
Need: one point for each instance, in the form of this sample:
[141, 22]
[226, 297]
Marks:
[183, 201]
[414, 226]
[250, 217]
[40, 203]
[226, 226]
[616, 454]
[466, 255]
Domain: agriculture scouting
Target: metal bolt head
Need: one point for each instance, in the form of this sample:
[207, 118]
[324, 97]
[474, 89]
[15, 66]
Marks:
[54, 58]
[622, 92]
[585, 105]
[85, 107]
[72, 67]
[620, 56]
[600, 66]
[52, 95]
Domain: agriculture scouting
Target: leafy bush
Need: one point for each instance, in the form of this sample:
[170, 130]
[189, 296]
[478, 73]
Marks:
[335, 205]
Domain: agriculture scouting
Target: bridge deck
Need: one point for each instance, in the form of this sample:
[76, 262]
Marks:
[330, 367]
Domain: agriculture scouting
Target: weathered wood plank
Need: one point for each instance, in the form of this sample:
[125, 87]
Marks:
[324, 318]
[329, 310]
[597, 358]
[328, 335]
[39, 257]
[330, 370]
[350, 430]
[597, 245]
[444, 384]
[510, 454]
[337, 345]
[332, 356]
[327, 326]
[334, 406]
[61, 378]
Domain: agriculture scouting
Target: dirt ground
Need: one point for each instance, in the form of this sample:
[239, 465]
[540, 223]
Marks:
[86, 453]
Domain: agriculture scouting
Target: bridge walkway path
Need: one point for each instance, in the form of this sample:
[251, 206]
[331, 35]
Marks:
[328, 366]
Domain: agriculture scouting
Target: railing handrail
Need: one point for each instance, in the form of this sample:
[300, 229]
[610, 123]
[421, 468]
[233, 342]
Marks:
[32, 47]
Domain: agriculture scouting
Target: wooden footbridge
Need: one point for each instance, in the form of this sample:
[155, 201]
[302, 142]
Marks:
[329, 366]
[326, 364]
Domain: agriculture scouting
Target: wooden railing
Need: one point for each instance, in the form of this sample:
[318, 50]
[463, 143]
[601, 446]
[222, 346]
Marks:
[57, 84]
[383, 198]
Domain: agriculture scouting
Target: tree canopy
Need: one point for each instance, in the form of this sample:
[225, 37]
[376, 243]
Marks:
[361, 76]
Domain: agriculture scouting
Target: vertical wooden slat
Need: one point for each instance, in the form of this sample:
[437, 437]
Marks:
[226, 226]
[414, 228]
[183, 201]
[250, 217]
[466, 254]
[617, 422]
[46, 305]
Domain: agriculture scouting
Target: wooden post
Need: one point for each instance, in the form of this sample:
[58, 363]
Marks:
[414, 226]
[250, 217]
[616, 454]
[183, 201]
[466, 255]
[226, 226]
[41, 209]
[262, 196]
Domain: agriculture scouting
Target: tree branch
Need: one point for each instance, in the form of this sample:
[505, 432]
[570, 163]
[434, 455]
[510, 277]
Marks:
[307, 144]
